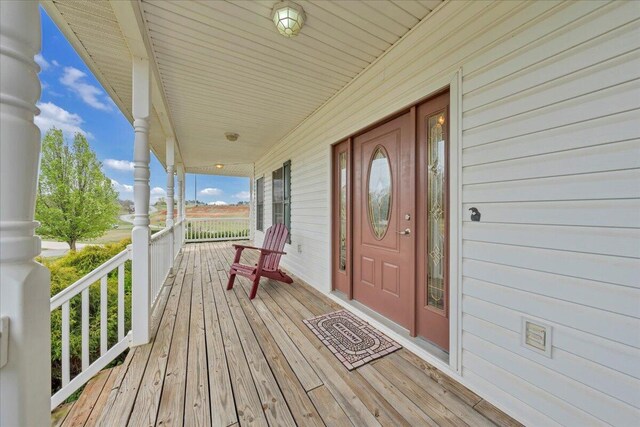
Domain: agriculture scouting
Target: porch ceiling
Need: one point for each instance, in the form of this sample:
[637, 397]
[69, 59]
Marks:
[93, 30]
[223, 67]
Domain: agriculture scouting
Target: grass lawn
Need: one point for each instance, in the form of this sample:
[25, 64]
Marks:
[114, 235]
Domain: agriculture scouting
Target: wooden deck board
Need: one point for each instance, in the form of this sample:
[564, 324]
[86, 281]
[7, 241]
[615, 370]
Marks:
[407, 371]
[290, 384]
[248, 404]
[146, 405]
[437, 411]
[101, 402]
[305, 373]
[223, 408]
[332, 413]
[221, 359]
[172, 401]
[123, 394]
[409, 410]
[81, 411]
[197, 408]
[384, 412]
[295, 394]
[339, 385]
[273, 402]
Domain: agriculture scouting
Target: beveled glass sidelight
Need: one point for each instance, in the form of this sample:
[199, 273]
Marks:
[436, 210]
[343, 211]
[380, 192]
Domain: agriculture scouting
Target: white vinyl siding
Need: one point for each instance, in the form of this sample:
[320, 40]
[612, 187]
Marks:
[551, 158]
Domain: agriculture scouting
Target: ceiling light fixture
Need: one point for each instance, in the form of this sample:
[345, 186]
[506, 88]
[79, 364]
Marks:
[288, 18]
[219, 166]
[231, 136]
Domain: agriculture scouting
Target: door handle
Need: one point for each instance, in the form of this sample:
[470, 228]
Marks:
[405, 232]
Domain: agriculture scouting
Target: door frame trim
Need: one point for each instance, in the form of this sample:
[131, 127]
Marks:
[455, 221]
[452, 82]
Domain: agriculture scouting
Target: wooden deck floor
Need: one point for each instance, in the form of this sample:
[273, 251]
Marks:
[220, 359]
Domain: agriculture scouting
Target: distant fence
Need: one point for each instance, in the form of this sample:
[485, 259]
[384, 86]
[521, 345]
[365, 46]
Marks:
[216, 229]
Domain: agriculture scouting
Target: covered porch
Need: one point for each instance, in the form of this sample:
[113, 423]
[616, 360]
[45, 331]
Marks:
[217, 358]
[524, 115]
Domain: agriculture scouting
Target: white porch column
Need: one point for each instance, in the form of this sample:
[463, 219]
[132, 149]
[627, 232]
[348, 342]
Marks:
[140, 235]
[179, 193]
[169, 157]
[182, 208]
[184, 194]
[25, 379]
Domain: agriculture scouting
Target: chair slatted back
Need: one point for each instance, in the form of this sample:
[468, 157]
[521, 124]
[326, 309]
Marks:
[274, 240]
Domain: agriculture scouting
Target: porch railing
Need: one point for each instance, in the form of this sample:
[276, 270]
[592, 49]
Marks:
[68, 297]
[215, 229]
[161, 253]
[77, 297]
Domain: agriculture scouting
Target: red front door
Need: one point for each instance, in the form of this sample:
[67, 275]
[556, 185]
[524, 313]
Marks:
[383, 218]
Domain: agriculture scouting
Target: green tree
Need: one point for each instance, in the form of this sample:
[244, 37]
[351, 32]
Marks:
[75, 200]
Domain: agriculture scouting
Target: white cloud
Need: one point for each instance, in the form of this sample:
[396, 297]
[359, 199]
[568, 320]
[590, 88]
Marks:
[217, 203]
[53, 116]
[211, 191]
[43, 63]
[156, 193]
[121, 188]
[125, 191]
[55, 63]
[73, 78]
[121, 165]
[243, 195]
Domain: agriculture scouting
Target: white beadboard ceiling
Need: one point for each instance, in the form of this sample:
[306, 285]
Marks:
[223, 66]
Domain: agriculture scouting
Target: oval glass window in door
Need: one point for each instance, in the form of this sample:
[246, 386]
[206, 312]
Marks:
[380, 192]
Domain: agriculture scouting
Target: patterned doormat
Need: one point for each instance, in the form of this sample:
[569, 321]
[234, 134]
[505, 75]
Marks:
[353, 341]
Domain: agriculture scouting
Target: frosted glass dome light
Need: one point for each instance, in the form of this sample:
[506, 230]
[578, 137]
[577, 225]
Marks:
[288, 18]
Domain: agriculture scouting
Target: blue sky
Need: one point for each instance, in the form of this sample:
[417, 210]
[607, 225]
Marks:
[74, 101]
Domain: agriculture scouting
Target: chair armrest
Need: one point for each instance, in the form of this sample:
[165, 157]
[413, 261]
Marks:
[246, 247]
[266, 251]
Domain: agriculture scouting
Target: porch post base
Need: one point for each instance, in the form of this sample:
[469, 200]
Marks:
[141, 291]
[25, 381]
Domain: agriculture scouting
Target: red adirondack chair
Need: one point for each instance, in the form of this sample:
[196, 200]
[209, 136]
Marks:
[267, 266]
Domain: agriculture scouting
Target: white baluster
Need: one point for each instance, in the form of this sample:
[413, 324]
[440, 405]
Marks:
[85, 329]
[65, 344]
[103, 315]
[120, 302]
